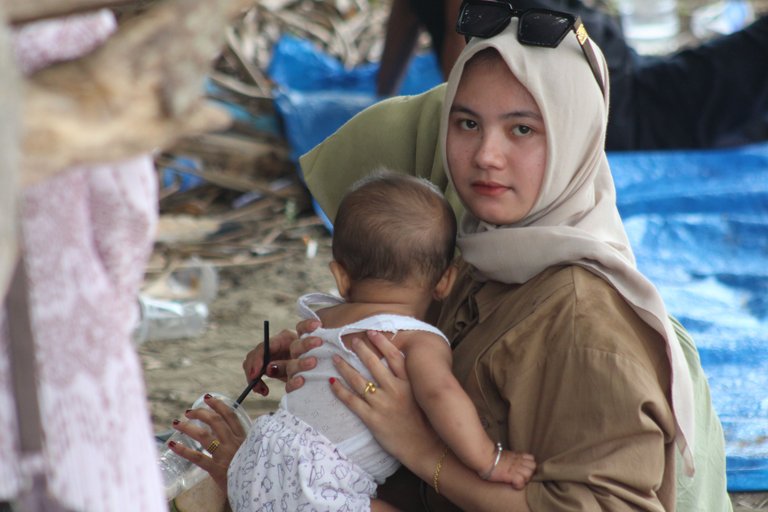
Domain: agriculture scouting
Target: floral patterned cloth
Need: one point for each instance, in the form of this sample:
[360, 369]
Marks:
[87, 234]
[286, 465]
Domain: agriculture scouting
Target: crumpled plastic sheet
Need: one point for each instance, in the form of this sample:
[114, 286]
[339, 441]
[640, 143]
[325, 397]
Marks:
[697, 220]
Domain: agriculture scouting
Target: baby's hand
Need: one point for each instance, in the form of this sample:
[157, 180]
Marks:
[513, 468]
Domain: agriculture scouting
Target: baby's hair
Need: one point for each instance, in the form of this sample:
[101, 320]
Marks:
[394, 227]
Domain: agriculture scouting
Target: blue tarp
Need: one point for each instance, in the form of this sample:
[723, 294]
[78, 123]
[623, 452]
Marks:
[697, 220]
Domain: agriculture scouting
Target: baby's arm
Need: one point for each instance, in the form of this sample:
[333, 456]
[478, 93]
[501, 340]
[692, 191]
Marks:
[454, 416]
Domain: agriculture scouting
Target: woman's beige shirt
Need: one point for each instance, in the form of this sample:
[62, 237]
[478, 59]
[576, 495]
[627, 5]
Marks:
[562, 367]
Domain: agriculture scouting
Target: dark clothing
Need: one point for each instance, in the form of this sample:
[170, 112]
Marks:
[713, 95]
[431, 14]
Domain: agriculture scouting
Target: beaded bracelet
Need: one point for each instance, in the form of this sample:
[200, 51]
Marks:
[487, 474]
[438, 467]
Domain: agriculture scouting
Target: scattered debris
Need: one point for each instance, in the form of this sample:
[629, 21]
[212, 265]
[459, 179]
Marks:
[234, 197]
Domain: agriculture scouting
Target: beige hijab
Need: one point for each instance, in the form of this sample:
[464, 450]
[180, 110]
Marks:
[575, 219]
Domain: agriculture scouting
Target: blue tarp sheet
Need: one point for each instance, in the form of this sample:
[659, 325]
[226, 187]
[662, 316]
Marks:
[698, 222]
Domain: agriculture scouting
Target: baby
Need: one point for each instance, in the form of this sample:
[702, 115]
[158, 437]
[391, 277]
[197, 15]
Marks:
[393, 246]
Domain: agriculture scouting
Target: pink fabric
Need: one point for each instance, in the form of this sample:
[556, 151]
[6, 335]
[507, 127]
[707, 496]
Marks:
[87, 235]
[42, 43]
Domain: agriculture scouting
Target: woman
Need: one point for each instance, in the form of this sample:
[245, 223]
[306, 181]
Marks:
[566, 350]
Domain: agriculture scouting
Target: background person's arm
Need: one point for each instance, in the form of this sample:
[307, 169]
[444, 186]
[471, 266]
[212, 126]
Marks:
[453, 42]
[403, 29]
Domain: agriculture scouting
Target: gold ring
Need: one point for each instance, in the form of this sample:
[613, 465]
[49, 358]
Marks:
[213, 446]
[370, 387]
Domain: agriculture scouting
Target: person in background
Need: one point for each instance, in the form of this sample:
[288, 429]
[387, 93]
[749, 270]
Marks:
[407, 19]
[707, 96]
[86, 233]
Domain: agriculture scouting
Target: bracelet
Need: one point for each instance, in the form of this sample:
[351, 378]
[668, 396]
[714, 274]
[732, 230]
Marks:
[438, 467]
[487, 474]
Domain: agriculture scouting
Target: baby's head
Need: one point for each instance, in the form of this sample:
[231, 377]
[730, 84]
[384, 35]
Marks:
[395, 228]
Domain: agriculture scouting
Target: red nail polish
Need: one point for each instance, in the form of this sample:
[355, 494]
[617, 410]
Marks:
[176, 422]
[272, 370]
[332, 380]
[207, 396]
[171, 443]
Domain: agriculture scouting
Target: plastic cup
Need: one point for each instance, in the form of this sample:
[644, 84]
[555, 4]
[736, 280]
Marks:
[179, 474]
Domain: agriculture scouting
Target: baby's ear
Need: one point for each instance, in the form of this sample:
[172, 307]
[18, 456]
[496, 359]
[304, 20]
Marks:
[445, 284]
[342, 278]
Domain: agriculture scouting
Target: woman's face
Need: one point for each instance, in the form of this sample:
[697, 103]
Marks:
[497, 144]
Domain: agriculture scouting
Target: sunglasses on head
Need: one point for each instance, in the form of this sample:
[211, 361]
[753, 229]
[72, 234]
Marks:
[537, 27]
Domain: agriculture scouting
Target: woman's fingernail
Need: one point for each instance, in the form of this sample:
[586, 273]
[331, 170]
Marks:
[272, 370]
[207, 396]
[336, 359]
[175, 422]
[171, 443]
[331, 380]
[188, 411]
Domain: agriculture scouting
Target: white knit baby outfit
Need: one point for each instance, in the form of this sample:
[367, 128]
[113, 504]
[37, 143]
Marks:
[314, 454]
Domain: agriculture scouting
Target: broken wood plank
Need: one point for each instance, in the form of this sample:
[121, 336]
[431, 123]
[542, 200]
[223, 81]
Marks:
[141, 90]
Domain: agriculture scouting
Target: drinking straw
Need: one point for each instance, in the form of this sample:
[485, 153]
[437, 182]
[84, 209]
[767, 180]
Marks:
[264, 364]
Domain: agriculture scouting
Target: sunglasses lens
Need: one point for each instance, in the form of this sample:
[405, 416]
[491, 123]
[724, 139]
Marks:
[483, 19]
[543, 29]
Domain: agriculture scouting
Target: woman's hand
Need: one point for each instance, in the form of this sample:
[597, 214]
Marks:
[285, 349]
[222, 440]
[299, 347]
[280, 353]
[389, 411]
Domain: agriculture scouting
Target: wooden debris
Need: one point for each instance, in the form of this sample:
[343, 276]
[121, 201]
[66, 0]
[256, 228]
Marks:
[251, 189]
[140, 90]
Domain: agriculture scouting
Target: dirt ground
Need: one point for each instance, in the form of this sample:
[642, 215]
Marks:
[178, 371]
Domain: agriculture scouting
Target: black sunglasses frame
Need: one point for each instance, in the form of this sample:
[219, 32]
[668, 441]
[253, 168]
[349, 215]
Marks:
[508, 12]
